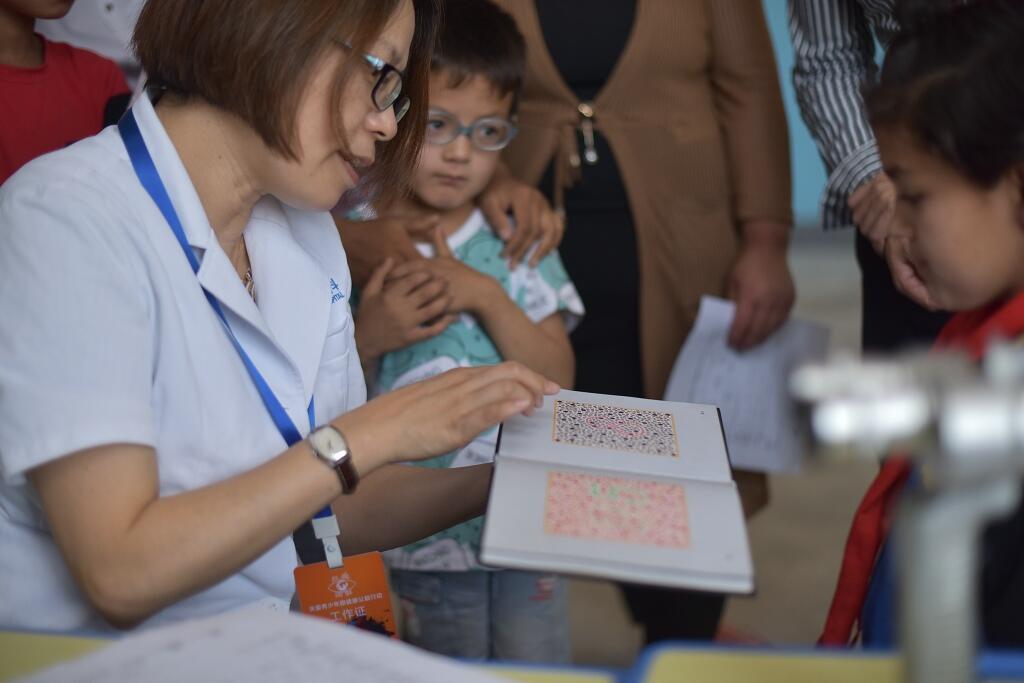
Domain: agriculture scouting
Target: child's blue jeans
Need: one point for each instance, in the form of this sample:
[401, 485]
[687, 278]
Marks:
[506, 615]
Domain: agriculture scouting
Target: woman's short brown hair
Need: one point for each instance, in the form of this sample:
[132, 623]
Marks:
[254, 57]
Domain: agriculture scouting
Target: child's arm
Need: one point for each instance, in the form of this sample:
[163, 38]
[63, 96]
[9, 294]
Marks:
[396, 313]
[543, 347]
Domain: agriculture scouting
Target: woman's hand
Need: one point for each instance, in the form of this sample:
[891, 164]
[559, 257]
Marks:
[761, 286]
[442, 413]
[535, 220]
[369, 243]
[398, 311]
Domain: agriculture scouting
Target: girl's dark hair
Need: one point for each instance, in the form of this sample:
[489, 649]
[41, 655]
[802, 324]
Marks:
[954, 78]
[253, 57]
[480, 39]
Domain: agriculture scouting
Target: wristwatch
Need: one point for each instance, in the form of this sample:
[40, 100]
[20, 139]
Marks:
[331, 448]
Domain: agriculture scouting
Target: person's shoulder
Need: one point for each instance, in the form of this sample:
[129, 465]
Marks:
[77, 165]
[90, 177]
[478, 224]
[476, 239]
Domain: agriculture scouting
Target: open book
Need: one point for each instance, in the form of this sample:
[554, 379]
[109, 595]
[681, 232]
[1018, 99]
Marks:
[620, 488]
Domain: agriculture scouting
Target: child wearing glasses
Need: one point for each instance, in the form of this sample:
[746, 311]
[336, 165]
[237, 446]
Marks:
[462, 306]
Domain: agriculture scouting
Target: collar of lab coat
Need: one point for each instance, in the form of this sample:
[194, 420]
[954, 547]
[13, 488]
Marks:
[292, 288]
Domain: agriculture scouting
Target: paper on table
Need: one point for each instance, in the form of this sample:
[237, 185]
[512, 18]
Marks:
[750, 388]
[257, 646]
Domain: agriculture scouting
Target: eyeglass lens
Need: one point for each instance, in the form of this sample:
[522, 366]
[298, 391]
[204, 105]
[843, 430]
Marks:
[387, 90]
[487, 134]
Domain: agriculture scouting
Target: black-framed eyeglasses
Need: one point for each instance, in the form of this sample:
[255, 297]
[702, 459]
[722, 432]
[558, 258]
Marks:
[488, 134]
[387, 91]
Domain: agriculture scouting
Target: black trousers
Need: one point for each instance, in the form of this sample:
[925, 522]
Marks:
[891, 321]
[599, 252]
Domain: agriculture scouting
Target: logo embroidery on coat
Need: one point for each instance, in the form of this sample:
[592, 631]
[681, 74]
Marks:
[336, 294]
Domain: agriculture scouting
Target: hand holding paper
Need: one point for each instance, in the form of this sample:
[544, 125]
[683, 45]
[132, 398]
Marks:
[749, 387]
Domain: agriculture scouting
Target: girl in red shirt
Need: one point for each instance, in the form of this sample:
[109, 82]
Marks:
[948, 113]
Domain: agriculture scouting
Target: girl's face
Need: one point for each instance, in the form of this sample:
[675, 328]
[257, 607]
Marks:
[965, 242]
[322, 172]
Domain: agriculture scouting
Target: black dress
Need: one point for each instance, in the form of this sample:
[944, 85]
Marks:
[585, 39]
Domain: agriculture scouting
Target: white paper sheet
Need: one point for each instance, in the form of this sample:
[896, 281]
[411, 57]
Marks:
[750, 388]
[257, 646]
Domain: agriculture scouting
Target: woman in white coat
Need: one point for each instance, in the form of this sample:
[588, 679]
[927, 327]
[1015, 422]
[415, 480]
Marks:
[176, 322]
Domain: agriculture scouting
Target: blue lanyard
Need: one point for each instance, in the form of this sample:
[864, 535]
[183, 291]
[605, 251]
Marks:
[145, 169]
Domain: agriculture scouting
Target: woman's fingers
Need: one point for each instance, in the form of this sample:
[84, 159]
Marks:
[741, 322]
[536, 384]
[487, 415]
[763, 324]
[527, 214]
[553, 227]
[495, 205]
[491, 403]
[442, 413]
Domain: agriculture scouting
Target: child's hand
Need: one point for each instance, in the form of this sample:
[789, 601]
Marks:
[403, 310]
[469, 289]
[904, 275]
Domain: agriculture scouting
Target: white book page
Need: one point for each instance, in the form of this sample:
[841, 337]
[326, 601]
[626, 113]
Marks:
[621, 434]
[750, 387]
[258, 646]
[687, 533]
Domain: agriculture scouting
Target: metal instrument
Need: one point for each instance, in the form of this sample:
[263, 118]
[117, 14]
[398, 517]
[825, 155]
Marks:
[963, 426]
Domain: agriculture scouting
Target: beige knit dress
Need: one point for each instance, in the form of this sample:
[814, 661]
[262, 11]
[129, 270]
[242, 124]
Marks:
[694, 116]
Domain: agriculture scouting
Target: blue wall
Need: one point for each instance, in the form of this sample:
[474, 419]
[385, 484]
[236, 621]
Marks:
[808, 172]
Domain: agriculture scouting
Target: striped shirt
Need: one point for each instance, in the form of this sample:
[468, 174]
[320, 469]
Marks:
[834, 46]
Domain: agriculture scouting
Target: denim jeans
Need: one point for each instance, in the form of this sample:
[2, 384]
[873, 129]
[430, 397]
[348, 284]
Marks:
[506, 615]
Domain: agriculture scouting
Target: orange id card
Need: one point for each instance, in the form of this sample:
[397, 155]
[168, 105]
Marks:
[355, 593]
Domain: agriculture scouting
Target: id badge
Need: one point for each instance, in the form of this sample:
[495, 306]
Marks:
[355, 593]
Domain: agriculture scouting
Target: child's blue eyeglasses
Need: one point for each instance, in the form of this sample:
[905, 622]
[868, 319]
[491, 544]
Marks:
[488, 134]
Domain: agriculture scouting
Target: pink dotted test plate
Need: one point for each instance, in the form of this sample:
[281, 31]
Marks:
[608, 508]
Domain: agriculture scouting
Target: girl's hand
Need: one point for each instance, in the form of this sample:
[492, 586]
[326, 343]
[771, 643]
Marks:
[400, 311]
[904, 276]
[762, 288]
[442, 413]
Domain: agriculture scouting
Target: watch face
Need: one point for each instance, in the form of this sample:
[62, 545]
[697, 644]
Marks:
[329, 442]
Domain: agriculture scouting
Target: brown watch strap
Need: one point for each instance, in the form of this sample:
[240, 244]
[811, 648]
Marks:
[346, 470]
